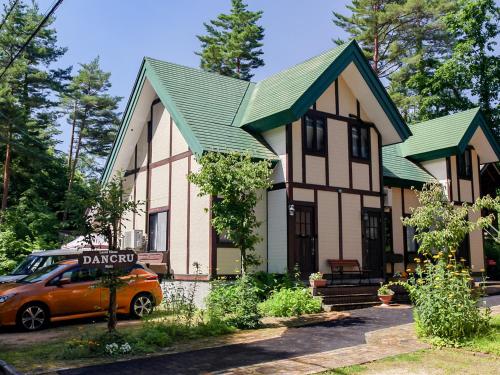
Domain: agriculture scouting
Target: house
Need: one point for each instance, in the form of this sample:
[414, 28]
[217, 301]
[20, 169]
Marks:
[344, 162]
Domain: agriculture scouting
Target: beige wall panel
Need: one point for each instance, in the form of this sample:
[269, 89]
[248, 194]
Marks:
[465, 191]
[454, 178]
[161, 133]
[371, 201]
[338, 149]
[128, 187]
[276, 138]
[351, 226]
[178, 217]
[179, 144]
[131, 163]
[328, 229]
[141, 196]
[475, 174]
[315, 170]
[397, 226]
[277, 230]
[411, 200]
[375, 160]
[159, 187]
[476, 246]
[303, 195]
[297, 151]
[347, 101]
[326, 102]
[228, 261]
[360, 176]
[199, 233]
[142, 147]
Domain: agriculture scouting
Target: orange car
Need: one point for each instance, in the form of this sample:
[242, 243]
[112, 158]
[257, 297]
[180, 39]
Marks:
[65, 291]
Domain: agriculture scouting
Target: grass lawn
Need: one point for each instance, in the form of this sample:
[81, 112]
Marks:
[479, 356]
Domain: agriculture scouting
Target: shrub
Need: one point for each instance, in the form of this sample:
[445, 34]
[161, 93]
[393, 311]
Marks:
[492, 251]
[445, 304]
[266, 283]
[234, 303]
[290, 302]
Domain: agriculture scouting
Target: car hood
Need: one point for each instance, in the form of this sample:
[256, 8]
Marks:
[14, 287]
[10, 278]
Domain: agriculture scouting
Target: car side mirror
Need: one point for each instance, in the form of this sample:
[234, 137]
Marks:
[62, 282]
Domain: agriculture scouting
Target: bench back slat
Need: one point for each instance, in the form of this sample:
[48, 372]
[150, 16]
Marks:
[151, 257]
[337, 263]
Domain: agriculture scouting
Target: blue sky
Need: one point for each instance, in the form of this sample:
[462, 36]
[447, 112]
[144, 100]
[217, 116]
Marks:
[121, 32]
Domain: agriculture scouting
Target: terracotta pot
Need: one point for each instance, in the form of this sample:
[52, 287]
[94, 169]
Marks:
[386, 299]
[318, 283]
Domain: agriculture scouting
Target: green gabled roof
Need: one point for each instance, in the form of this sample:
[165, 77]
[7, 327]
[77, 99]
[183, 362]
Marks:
[445, 136]
[286, 96]
[401, 172]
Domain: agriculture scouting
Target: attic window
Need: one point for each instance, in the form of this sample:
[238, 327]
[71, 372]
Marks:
[465, 165]
[360, 142]
[314, 135]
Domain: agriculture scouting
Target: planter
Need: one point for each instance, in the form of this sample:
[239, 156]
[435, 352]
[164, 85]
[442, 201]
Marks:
[318, 283]
[386, 300]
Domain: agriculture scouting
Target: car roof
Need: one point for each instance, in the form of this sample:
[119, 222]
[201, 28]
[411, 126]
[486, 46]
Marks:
[46, 253]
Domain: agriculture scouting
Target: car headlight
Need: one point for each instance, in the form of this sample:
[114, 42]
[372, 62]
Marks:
[6, 297]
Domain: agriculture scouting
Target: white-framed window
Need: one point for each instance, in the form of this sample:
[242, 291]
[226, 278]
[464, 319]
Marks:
[158, 231]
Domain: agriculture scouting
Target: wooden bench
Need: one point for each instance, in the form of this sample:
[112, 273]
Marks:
[338, 267]
[156, 261]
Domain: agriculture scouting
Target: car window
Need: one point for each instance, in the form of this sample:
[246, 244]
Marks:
[42, 274]
[79, 275]
[28, 265]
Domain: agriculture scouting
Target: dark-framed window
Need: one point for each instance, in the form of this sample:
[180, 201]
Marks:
[412, 244]
[465, 165]
[388, 231]
[158, 231]
[224, 241]
[360, 142]
[314, 134]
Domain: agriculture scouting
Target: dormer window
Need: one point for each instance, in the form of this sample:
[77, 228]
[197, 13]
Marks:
[360, 142]
[315, 134]
[465, 165]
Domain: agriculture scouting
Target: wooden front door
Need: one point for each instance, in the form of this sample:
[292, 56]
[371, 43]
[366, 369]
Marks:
[372, 242]
[305, 240]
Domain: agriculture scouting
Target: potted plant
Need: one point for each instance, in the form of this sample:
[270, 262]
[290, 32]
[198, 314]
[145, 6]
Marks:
[316, 280]
[385, 294]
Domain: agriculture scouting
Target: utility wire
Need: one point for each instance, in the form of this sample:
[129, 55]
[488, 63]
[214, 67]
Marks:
[8, 13]
[33, 34]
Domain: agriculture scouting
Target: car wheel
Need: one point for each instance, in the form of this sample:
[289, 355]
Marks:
[141, 305]
[33, 317]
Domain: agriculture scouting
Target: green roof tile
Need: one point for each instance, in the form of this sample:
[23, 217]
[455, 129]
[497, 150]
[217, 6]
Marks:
[399, 171]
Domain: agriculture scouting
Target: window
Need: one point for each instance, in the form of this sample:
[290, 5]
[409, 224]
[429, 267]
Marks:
[224, 241]
[360, 142]
[388, 231]
[314, 134]
[157, 236]
[465, 165]
[411, 242]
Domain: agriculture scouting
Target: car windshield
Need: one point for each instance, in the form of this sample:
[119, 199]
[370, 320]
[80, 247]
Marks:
[42, 274]
[35, 262]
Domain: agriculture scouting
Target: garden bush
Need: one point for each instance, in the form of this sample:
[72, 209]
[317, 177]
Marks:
[290, 302]
[234, 303]
[266, 283]
[446, 307]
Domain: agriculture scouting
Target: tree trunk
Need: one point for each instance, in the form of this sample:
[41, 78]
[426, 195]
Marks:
[376, 46]
[73, 128]
[6, 170]
[77, 152]
[112, 309]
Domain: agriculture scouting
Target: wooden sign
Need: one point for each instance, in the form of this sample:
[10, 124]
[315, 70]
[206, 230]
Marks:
[107, 259]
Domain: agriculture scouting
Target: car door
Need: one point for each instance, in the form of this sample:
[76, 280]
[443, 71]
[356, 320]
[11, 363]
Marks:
[124, 293]
[77, 294]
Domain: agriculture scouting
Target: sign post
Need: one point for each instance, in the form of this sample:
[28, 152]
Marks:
[107, 260]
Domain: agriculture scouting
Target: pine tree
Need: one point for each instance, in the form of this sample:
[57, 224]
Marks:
[232, 44]
[93, 119]
[375, 25]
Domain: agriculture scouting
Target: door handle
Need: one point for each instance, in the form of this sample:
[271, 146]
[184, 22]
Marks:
[313, 249]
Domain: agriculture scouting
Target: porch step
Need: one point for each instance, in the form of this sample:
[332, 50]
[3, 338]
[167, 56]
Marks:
[338, 290]
[490, 287]
[349, 306]
[349, 299]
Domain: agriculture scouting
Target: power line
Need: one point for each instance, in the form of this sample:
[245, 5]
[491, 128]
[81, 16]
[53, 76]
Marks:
[33, 34]
[8, 13]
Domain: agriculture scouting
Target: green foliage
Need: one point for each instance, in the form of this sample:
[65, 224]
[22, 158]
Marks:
[12, 250]
[290, 302]
[384, 290]
[232, 46]
[238, 182]
[492, 251]
[234, 303]
[265, 283]
[446, 310]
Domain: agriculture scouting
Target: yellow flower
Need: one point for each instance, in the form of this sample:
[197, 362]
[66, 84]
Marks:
[408, 270]
[449, 266]
[462, 260]
[481, 270]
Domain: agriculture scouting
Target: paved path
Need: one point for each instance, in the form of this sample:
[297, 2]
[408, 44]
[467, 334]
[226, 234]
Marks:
[311, 342]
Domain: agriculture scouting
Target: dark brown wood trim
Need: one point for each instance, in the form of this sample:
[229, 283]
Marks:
[333, 188]
[162, 162]
[349, 157]
[191, 277]
[341, 240]
[302, 143]
[212, 238]
[314, 106]
[157, 209]
[458, 180]
[289, 159]
[403, 201]
[403, 214]
[358, 109]
[316, 232]
[278, 186]
[370, 173]
[350, 120]
[148, 174]
[188, 234]
[327, 156]
[337, 97]
[380, 169]
[450, 180]
[289, 193]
